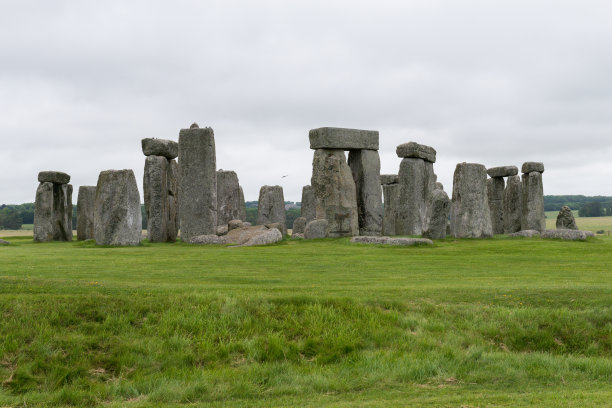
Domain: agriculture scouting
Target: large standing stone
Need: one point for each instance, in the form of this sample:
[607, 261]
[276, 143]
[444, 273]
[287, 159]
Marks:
[391, 193]
[495, 192]
[160, 185]
[437, 215]
[117, 216]
[160, 147]
[334, 191]
[197, 182]
[228, 197]
[271, 207]
[512, 205]
[532, 215]
[53, 212]
[85, 212]
[417, 181]
[365, 167]
[344, 139]
[242, 209]
[470, 216]
[298, 225]
[565, 219]
[309, 207]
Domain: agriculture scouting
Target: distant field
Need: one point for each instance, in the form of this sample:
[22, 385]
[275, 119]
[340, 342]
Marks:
[584, 223]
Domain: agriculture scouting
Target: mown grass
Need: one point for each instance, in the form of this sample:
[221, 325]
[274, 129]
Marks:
[514, 322]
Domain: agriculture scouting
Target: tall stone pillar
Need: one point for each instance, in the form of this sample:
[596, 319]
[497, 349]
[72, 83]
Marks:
[85, 212]
[438, 208]
[513, 207]
[365, 167]
[229, 202]
[53, 207]
[533, 216]
[390, 189]
[470, 216]
[495, 191]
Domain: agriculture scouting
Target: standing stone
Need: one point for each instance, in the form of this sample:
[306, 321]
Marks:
[565, 219]
[85, 212]
[172, 200]
[533, 216]
[437, 215]
[271, 207]
[391, 202]
[495, 192]
[316, 228]
[365, 167]
[470, 216]
[228, 197]
[117, 216]
[197, 182]
[299, 224]
[309, 207]
[242, 209]
[53, 209]
[513, 205]
[416, 181]
[334, 191]
[160, 198]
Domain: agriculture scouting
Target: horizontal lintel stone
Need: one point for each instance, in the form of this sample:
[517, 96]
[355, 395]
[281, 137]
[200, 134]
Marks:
[415, 150]
[342, 138]
[529, 167]
[56, 177]
[502, 171]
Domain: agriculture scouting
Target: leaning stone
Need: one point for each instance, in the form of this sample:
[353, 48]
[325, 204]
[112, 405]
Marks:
[228, 197]
[3, 242]
[309, 207]
[389, 179]
[391, 194]
[565, 234]
[56, 177]
[117, 215]
[342, 138]
[160, 147]
[53, 212]
[532, 214]
[529, 167]
[206, 240]
[85, 212]
[565, 219]
[437, 215]
[417, 181]
[391, 241]
[271, 207]
[495, 192]
[197, 182]
[316, 228]
[233, 224]
[222, 230]
[271, 236]
[298, 225]
[503, 171]
[470, 216]
[525, 234]
[415, 150]
[512, 205]
[334, 191]
[365, 167]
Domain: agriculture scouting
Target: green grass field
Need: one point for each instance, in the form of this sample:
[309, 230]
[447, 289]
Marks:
[465, 323]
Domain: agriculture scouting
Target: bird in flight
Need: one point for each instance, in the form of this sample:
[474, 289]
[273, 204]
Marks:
[284, 176]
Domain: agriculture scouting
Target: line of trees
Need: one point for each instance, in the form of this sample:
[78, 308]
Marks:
[595, 206]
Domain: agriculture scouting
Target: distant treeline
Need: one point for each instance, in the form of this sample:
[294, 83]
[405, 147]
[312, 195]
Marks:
[587, 206]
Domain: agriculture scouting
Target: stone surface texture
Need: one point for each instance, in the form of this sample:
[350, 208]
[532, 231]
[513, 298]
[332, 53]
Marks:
[299, 224]
[197, 182]
[495, 192]
[53, 212]
[117, 215]
[365, 167]
[160, 147]
[160, 185]
[229, 204]
[438, 210]
[417, 181]
[233, 224]
[525, 234]
[316, 228]
[391, 194]
[270, 236]
[309, 207]
[512, 205]
[271, 207]
[206, 240]
[529, 167]
[566, 234]
[391, 241]
[565, 219]
[342, 138]
[56, 177]
[532, 214]
[86, 200]
[470, 216]
[242, 212]
[334, 191]
[389, 179]
[417, 151]
[502, 171]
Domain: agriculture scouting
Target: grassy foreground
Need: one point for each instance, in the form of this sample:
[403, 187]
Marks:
[501, 322]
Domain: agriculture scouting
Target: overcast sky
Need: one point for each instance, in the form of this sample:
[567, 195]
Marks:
[492, 82]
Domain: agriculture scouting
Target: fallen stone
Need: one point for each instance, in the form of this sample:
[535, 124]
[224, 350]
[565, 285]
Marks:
[206, 240]
[565, 219]
[271, 207]
[309, 207]
[415, 150]
[342, 138]
[532, 214]
[222, 230]
[316, 228]
[525, 234]
[391, 241]
[470, 216]
[56, 177]
[86, 201]
[437, 215]
[247, 224]
[270, 236]
[299, 224]
[242, 236]
[53, 212]
[365, 167]
[389, 179]
[229, 202]
[3, 242]
[160, 147]
[495, 192]
[529, 167]
[566, 234]
[512, 205]
[502, 171]
[278, 226]
[416, 181]
[233, 224]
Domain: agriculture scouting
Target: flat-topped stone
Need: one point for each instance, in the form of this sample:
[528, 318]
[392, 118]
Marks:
[160, 147]
[391, 241]
[529, 167]
[386, 179]
[415, 150]
[502, 171]
[56, 177]
[342, 138]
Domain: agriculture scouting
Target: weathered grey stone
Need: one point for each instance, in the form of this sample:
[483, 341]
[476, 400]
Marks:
[247, 224]
[334, 191]
[172, 201]
[298, 225]
[270, 236]
[222, 230]
[565, 219]
[197, 182]
[438, 186]
[417, 151]
[309, 207]
[525, 234]
[529, 167]
[278, 226]
[391, 194]
[342, 138]
[532, 214]
[86, 201]
[502, 171]
[233, 224]
[365, 167]
[513, 207]
[53, 212]
[566, 234]
[316, 228]
[470, 216]
[376, 240]
[160, 147]
[417, 181]
[242, 209]
[56, 177]
[389, 179]
[495, 192]
[249, 235]
[228, 197]
[438, 209]
[159, 185]
[117, 216]
[297, 236]
[271, 207]
[3, 242]
[207, 240]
